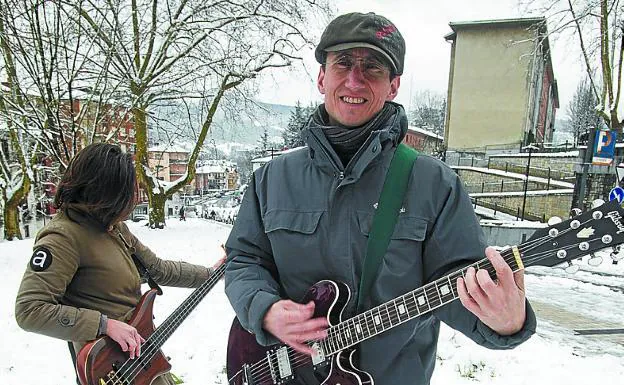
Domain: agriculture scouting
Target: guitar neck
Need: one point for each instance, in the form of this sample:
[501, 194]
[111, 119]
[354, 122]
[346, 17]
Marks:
[406, 307]
[175, 319]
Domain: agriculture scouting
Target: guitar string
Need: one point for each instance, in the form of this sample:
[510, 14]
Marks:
[301, 357]
[155, 341]
[335, 333]
[131, 367]
[170, 324]
[428, 291]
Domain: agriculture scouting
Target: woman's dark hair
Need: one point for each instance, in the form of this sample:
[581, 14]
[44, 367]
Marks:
[100, 179]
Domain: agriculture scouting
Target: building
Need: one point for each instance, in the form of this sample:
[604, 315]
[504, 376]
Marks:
[215, 175]
[502, 90]
[168, 163]
[423, 140]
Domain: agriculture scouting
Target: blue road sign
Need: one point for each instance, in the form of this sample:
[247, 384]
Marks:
[604, 147]
[617, 193]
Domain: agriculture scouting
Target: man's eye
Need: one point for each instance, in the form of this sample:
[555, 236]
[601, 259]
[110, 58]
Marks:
[344, 63]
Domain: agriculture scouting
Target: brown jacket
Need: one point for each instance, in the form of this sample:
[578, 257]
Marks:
[79, 271]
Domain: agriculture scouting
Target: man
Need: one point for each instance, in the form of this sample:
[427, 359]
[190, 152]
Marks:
[306, 217]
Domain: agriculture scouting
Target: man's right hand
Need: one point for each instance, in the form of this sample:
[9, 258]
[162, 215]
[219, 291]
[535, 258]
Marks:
[292, 323]
[126, 336]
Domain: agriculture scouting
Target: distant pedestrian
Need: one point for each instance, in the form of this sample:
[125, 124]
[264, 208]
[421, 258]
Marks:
[182, 215]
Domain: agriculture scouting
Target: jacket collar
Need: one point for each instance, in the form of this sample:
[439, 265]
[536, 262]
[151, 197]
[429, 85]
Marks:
[381, 141]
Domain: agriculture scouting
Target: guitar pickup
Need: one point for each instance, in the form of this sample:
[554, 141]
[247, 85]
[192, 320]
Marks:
[283, 363]
[318, 358]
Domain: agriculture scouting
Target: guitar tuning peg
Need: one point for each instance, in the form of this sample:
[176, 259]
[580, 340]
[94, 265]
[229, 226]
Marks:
[575, 212]
[571, 269]
[597, 203]
[594, 260]
[554, 221]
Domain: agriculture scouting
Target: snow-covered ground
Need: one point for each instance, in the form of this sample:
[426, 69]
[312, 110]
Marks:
[554, 355]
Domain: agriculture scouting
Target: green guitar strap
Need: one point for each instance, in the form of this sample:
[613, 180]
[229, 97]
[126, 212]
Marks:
[386, 215]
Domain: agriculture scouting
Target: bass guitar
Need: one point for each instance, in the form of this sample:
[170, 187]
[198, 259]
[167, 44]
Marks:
[102, 362]
[249, 363]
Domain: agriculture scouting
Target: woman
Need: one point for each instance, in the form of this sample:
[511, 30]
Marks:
[81, 282]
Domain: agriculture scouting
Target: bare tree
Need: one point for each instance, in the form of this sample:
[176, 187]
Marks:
[53, 102]
[427, 110]
[174, 50]
[582, 112]
[598, 27]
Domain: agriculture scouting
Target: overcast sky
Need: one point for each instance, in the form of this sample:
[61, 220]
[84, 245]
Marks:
[423, 24]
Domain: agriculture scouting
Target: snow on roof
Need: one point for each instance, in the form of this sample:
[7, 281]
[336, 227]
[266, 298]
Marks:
[564, 191]
[169, 148]
[424, 131]
[212, 168]
[266, 159]
[565, 154]
[515, 175]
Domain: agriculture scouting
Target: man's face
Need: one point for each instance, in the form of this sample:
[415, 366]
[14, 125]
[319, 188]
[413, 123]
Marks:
[356, 84]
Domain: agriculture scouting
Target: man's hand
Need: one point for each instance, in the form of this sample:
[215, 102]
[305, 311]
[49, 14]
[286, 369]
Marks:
[126, 336]
[292, 323]
[500, 305]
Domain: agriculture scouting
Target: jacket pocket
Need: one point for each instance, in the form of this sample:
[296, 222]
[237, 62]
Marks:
[296, 221]
[408, 228]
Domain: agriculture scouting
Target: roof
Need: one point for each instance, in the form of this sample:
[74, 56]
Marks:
[424, 131]
[496, 23]
[266, 159]
[169, 148]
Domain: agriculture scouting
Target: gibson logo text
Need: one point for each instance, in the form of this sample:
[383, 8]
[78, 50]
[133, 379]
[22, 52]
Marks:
[616, 219]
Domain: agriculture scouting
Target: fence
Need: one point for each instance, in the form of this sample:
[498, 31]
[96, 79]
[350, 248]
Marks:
[509, 210]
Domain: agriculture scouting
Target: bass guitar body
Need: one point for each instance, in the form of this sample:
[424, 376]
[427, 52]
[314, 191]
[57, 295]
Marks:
[102, 362]
[330, 299]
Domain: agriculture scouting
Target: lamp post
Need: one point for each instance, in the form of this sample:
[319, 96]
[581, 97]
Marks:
[530, 147]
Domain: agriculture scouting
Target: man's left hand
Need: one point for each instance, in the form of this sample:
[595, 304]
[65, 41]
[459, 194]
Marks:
[499, 304]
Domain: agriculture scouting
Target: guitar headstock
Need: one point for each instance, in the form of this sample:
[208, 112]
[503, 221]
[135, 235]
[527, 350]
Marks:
[599, 228]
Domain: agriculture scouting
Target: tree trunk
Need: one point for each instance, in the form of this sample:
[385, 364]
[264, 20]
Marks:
[11, 222]
[157, 210]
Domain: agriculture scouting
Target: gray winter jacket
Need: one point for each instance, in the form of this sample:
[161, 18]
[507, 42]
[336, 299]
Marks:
[305, 218]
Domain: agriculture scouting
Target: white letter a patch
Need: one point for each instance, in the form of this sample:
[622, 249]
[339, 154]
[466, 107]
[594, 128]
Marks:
[41, 259]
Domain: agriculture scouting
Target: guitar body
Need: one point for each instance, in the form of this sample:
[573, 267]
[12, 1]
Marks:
[102, 360]
[330, 299]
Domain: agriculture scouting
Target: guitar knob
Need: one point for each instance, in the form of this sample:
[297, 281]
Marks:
[594, 260]
[571, 269]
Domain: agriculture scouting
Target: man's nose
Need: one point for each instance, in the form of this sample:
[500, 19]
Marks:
[355, 77]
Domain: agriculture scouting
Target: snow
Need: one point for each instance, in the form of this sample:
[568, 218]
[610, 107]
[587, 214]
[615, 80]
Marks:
[485, 170]
[554, 355]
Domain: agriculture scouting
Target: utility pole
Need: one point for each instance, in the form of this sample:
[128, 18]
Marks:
[587, 160]
[530, 147]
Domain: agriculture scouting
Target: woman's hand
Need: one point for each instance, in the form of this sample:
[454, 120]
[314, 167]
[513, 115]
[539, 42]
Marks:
[126, 336]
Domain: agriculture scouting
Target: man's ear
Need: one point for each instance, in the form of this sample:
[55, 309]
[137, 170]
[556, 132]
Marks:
[320, 81]
[395, 83]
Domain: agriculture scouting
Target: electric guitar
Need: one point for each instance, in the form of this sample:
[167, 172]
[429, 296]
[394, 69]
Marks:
[102, 362]
[249, 363]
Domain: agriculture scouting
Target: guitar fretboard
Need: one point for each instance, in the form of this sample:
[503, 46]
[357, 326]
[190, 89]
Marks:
[175, 319]
[402, 309]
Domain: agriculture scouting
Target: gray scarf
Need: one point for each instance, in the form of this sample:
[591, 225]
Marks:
[346, 141]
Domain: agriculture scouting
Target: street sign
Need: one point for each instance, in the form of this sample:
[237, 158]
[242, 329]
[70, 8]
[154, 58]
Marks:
[604, 147]
[617, 193]
[619, 172]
